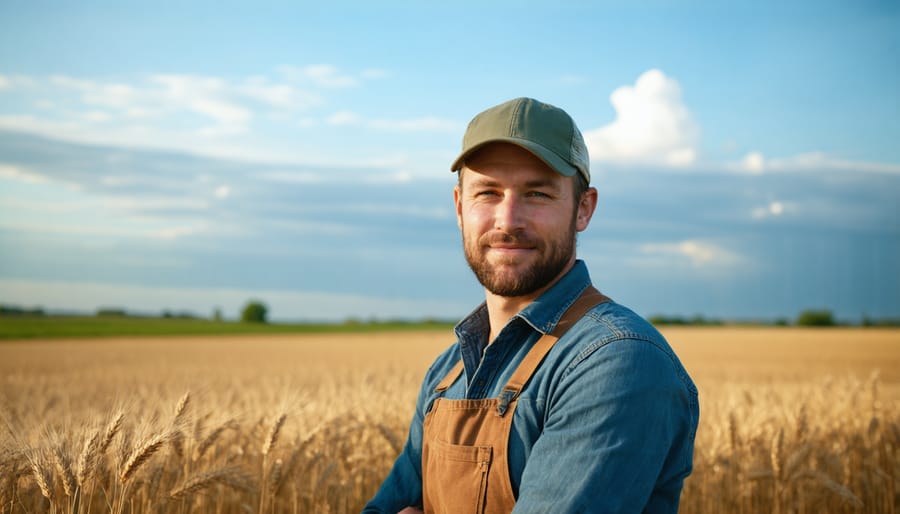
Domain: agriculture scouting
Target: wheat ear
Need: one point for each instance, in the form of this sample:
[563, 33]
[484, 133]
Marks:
[272, 438]
[140, 455]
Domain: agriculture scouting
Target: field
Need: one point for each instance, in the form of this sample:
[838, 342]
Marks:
[792, 420]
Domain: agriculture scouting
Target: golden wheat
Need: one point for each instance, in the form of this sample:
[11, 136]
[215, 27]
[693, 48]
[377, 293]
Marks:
[792, 421]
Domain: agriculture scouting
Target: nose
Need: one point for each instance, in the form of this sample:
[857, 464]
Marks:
[509, 215]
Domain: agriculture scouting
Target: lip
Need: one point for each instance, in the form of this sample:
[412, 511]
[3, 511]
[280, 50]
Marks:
[510, 250]
[510, 246]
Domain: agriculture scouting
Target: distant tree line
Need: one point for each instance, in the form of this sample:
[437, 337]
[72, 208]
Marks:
[256, 311]
[12, 310]
[806, 318]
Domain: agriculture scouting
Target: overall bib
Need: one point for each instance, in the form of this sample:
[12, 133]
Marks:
[464, 442]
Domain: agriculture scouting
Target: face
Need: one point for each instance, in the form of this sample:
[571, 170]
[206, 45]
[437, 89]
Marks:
[518, 219]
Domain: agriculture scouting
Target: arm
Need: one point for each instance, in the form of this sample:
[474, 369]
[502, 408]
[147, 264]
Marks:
[618, 434]
[403, 486]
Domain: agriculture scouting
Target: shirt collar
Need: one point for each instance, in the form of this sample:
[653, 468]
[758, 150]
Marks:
[545, 312]
[542, 314]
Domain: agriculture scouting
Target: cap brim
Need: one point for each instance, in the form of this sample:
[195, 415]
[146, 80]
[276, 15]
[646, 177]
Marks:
[557, 163]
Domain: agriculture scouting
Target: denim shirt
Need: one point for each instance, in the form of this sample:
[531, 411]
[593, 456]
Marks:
[606, 423]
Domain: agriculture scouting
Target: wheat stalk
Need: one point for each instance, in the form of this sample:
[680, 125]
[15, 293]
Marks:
[203, 480]
[208, 441]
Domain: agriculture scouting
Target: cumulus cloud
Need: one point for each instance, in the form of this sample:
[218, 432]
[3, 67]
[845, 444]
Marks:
[652, 125]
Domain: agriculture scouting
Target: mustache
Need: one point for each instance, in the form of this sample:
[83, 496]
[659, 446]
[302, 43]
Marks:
[518, 239]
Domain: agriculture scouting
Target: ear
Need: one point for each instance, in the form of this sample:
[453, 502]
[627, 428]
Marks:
[586, 207]
[457, 200]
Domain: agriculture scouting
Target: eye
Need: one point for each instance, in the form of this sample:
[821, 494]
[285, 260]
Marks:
[538, 194]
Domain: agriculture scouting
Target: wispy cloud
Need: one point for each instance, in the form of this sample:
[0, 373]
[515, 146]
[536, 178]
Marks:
[652, 125]
[773, 209]
[20, 174]
[699, 254]
[757, 163]
[328, 76]
[426, 123]
[190, 112]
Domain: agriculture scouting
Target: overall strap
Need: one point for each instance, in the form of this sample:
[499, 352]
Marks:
[589, 299]
[451, 377]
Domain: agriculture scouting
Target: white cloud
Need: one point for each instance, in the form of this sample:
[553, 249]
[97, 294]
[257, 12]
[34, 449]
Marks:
[5, 83]
[343, 118]
[773, 209]
[202, 95]
[427, 123]
[753, 162]
[278, 95]
[423, 124]
[292, 177]
[19, 174]
[652, 125]
[222, 192]
[699, 254]
[320, 75]
[757, 163]
[227, 104]
[178, 231]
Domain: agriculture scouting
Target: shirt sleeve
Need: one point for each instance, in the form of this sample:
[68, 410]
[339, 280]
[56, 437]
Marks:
[403, 485]
[618, 434]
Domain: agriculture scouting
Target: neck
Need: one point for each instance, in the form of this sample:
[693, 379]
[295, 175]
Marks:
[502, 308]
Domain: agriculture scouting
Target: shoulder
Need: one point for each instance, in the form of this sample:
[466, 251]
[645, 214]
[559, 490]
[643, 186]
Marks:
[441, 366]
[613, 336]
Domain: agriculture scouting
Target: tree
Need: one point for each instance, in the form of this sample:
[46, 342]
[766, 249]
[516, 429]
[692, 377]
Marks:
[254, 312]
[815, 318]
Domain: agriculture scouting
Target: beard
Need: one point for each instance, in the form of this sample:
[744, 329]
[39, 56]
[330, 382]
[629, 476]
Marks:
[500, 276]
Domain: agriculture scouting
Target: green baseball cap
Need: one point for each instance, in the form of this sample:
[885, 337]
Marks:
[543, 129]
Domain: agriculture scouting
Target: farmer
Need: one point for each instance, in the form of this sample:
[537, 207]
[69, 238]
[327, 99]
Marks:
[554, 399]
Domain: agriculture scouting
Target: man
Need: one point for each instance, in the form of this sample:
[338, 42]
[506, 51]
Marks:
[554, 399]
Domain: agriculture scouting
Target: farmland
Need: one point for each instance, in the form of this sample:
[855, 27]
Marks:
[792, 420]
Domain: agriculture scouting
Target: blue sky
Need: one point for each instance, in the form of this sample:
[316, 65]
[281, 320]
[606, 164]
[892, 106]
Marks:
[190, 157]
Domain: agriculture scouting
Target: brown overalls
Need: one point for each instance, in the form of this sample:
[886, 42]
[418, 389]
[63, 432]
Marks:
[464, 443]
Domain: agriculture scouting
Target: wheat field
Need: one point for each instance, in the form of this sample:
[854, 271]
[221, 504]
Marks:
[792, 421]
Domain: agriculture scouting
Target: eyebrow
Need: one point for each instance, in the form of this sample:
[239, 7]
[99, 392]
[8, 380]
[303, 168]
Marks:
[487, 182]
